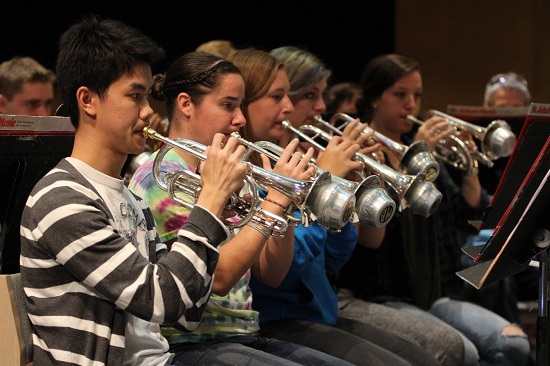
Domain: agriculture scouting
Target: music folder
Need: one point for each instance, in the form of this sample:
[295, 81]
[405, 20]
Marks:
[519, 206]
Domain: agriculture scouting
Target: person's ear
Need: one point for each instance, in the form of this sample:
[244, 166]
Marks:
[86, 99]
[185, 104]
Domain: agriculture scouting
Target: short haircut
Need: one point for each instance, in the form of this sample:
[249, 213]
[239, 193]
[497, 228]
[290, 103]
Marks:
[19, 70]
[96, 52]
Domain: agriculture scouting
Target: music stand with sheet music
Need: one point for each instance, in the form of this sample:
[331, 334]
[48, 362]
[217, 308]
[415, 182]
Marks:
[517, 215]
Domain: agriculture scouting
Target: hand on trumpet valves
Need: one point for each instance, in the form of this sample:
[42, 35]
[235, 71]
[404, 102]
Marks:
[222, 173]
[354, 131]
[362, 134]
[432, 130]
[369, 146]
[291, 164]
[468, 139]
[337, 157]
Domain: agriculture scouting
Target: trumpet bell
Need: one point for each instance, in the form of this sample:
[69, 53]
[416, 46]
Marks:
[373, 206]
[426, 198]
[333, 204]
[418, 158]
[499, 139]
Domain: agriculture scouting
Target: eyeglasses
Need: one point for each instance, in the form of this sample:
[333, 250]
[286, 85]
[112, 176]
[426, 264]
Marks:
[510, 78]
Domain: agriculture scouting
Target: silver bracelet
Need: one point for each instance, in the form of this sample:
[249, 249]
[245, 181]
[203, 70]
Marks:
[258, 229]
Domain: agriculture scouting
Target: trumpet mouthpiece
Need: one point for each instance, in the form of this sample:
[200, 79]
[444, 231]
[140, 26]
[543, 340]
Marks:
[412, 119]
[149, 132]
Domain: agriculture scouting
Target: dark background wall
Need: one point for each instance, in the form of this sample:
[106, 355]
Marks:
[459, 44]
[342, 36]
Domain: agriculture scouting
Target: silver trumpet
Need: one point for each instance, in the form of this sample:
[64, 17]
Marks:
[238, 210]
[372, 204]
[413, 159]
[497, 140]
[322, 200]
[413, 190]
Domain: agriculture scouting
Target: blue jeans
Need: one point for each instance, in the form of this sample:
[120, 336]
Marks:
[481, 330]
[250, 351]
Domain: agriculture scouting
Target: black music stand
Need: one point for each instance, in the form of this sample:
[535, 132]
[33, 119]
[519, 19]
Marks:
[521, 229]
[29, 147]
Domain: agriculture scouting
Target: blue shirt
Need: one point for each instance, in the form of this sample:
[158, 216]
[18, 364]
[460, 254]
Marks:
[306, 292]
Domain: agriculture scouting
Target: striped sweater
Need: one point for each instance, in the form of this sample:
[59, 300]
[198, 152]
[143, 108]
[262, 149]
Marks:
[80, 276]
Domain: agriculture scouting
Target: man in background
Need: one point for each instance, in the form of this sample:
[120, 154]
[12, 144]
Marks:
[26, 87]
[507, 90]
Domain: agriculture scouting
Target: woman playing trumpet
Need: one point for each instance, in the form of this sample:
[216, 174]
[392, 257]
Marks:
[414, 269]
[304, 308]
[203, 94]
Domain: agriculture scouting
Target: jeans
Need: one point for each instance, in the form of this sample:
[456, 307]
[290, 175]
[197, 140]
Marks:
[439, 340]
[334, 341]
[481, 329]
[249, 351]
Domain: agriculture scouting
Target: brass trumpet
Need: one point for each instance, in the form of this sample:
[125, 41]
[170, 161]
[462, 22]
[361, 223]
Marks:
[238, 211]
[324, 201]
[497, 140]
[413, 159]
[413, 190]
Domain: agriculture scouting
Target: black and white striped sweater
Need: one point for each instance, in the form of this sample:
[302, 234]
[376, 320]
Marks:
[80, 275]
